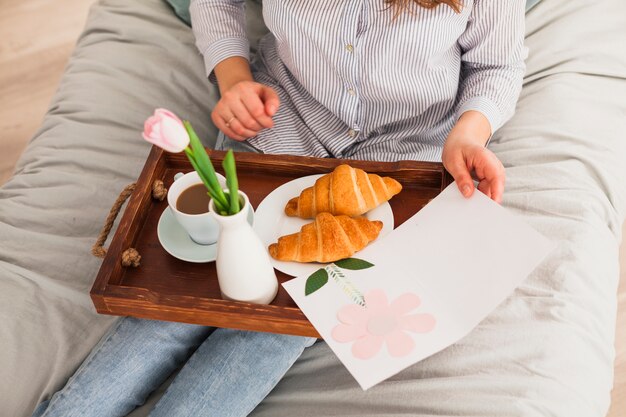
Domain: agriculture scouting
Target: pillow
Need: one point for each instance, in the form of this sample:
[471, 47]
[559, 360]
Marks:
[181, 8]
[531, 3]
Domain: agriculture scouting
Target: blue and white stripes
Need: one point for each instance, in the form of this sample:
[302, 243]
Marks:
[355, 83]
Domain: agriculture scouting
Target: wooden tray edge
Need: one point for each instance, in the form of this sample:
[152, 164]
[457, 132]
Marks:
[131, 219]
[140, 302]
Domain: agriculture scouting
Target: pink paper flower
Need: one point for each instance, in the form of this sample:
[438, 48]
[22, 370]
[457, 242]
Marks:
[166, 130]
[380, 322]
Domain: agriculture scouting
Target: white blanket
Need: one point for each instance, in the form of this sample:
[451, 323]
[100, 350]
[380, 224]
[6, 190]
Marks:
[547, 350]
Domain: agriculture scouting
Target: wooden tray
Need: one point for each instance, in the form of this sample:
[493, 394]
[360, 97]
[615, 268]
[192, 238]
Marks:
[165, 288]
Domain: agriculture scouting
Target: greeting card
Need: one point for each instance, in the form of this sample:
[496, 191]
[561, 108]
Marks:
[422, 287]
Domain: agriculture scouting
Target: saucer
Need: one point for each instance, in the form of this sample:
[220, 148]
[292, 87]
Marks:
[175, 240]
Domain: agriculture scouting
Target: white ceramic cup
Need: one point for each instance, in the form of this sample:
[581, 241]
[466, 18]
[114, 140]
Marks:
[201, 228]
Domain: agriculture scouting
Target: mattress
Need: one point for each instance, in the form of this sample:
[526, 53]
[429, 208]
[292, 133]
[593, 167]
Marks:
[546, 350]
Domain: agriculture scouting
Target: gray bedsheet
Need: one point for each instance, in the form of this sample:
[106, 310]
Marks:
[547, 350]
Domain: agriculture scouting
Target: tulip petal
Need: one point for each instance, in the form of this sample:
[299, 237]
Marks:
[174, 135]
[165, 130]
[148, 125]
[155, 130]
[166, 113]
[152, 140]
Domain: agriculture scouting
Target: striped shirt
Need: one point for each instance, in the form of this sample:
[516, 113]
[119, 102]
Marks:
[355, 83]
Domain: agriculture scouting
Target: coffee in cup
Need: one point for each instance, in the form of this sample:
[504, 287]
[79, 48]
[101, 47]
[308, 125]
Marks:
[194, 200]
[189, 202]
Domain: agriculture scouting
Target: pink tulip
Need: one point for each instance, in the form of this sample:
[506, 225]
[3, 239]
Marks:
[166, 130]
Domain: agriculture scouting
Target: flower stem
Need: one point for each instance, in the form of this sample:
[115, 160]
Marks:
[219, 205]
[231, 181]
[204, 166]
[346, 285]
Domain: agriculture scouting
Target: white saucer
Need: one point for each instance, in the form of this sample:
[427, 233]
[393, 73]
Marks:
[272, 222]
[175, 240]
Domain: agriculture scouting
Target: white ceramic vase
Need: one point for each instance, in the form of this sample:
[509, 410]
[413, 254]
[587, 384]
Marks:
[244, 270]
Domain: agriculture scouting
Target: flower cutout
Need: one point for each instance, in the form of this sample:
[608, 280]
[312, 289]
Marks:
[381, 322]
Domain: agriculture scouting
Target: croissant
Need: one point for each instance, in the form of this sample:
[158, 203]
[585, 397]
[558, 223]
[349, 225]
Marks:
[346, 190]
[328, 239]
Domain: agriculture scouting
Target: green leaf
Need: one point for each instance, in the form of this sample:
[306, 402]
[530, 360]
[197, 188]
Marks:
[353, 264]
[316, 281]
[204, 165]
[219, 206]
[231, 180]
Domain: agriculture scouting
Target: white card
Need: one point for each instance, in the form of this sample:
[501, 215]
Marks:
[433, 280]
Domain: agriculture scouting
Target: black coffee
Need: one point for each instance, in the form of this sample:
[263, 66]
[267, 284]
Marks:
[194, 200]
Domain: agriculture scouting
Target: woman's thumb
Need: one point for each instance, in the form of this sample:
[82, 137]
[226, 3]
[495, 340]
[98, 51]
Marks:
[271, 100]
[462, 177]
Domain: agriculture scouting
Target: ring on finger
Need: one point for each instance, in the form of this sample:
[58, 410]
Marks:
[230, 120]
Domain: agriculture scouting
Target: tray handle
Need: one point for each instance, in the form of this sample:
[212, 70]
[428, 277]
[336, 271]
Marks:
[130, 257]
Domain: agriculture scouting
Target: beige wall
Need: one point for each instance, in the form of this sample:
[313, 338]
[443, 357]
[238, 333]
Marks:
[36, 39]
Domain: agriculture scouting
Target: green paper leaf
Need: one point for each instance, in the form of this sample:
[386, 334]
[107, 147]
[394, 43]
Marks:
[353, 264]
[316, 281]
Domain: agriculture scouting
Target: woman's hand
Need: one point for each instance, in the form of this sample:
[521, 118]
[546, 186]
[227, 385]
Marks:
[245, 109]
[465, 154]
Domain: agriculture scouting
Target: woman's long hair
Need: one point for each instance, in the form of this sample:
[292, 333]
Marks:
[401, 5]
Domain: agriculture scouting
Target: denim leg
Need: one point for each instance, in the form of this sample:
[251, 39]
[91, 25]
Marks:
[230, 374]
[131, 360]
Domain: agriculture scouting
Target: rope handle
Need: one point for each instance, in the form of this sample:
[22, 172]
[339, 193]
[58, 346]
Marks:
[130, 257]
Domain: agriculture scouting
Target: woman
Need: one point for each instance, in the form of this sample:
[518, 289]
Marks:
[369, 79]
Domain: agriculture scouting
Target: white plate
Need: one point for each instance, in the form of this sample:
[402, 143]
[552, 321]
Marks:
[271, 222]
[177, 242]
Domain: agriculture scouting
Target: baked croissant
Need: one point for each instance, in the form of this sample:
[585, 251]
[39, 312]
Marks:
[328, 239]
[346, 190]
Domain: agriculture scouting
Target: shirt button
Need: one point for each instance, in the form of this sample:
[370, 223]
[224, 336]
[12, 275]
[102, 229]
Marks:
[352, 133]
[349, 48]
[351, 92]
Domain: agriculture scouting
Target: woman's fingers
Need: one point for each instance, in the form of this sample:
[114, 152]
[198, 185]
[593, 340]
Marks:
[243, 116]
[232, 118]
[220, 123]
[237, 127]
[490, 171]
[252, 101]
[457, 167]
[485, 187]
[489, 168]
[270, 99]
[242, 110]
[463, 161]
[497, 188]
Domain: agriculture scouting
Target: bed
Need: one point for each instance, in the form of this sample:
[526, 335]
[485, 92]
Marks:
[547, 350]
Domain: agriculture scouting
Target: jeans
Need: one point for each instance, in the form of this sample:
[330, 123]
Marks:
[229, 374]
[224, 143]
